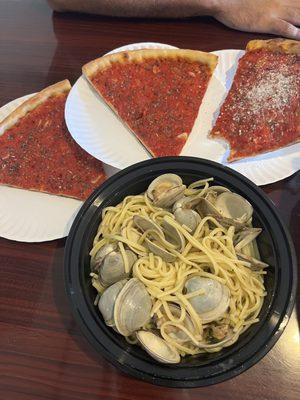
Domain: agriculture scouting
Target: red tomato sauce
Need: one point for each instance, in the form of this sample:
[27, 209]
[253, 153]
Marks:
[38, 153]
[158, 99]
[261, 111]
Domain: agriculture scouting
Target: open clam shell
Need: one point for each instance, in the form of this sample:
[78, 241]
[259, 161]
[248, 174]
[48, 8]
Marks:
[234, 206]
[244, 237]
[173, 331]
[132, 307]
[218, 189]
[229, 209]
[165, 190]
[158, 348]
[144, 224]
[186, 202]
[173, 235]
[158, 250]
[253, 263]
[96, 261]
[229, 337]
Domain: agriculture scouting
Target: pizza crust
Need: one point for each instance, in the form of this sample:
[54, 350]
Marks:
[32, 103]
[104, 62]
[100, 179]
[275, 45]
[233, 156]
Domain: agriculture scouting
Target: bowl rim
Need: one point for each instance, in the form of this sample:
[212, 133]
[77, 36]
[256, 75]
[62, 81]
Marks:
[80, 310]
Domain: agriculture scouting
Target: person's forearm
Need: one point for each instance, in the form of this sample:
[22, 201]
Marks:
[139, 8]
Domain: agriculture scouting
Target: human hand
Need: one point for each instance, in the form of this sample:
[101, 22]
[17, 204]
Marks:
[279, 17]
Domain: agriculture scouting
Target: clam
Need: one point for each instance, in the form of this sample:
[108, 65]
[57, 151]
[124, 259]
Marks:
[101, 254]
[213, 192]
[134, 234]
[145, 224]
[229, 209]
[253, 263]
[173, 235]
[218, 189]
[184, 214]
[186, 202]
[244, 237]
[152, 243]
[107, 301]
[234, 206]
[213, 303]
[112, 268]
[165, 190]
[219, 332]
[189, 218]
[172, 330]
[157, 249]
[229, 336]
[132, 307]
[158, 348]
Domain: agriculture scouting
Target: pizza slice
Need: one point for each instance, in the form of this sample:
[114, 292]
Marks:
[262, 110]
[156, 93]
[38, 153]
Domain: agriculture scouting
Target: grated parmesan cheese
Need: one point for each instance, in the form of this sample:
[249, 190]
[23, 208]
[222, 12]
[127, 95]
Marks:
[272, 91]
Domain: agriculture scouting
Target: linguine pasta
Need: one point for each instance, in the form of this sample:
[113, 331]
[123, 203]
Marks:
[208, 252]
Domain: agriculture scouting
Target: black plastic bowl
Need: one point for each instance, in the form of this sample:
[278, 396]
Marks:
[275, 246]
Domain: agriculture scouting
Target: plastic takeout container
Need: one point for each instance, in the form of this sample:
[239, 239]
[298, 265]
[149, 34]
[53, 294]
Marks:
[275, 246]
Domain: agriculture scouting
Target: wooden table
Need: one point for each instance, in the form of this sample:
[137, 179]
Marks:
[43, 354]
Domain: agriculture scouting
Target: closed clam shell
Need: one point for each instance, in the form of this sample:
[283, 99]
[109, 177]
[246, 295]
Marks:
[112, 268]
[213, 303]
[107, 301]
[158, 348]
[189, 218]
[132, 307]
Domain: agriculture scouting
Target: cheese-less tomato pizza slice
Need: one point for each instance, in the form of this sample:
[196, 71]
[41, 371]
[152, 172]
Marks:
[156, 93]
[262, 110]
[38, 153]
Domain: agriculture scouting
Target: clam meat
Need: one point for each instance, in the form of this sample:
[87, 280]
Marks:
[165, 190]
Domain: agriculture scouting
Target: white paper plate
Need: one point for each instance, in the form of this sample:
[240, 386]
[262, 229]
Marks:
[97, 129]
[29, 216]
[266, 168]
